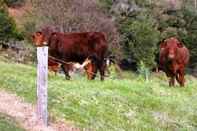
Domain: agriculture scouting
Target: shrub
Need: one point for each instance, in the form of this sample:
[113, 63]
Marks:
[140, 38]
[8, 28]
[14, 3]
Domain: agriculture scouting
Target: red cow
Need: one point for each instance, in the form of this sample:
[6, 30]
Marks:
[174, 57]
[76, 47]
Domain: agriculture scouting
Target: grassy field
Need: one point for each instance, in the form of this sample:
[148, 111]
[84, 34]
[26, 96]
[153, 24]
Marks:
[113, 105]
[8, 124]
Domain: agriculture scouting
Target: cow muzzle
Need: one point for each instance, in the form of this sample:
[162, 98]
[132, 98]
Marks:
[39, 44]
[171, 56]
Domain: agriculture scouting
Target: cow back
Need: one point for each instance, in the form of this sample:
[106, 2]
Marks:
[77, 46]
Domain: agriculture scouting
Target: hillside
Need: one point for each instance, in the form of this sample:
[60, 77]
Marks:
[134, 30]
[20, 14]
[113, 105]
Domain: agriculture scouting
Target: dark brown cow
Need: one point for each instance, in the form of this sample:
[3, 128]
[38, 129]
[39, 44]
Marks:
[174, 57]
[76, 47]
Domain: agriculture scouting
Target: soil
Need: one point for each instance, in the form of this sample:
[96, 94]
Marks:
[25, 114]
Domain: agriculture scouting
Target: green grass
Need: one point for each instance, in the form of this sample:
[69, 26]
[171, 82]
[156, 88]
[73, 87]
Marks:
[8, 124]
[113, 105]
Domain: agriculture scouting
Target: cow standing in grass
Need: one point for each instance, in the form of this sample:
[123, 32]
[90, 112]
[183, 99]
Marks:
[76, 47]
[174, 57]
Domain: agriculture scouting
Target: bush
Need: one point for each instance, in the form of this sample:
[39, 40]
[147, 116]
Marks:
[14, 3]
[8, 28]
[140, 38]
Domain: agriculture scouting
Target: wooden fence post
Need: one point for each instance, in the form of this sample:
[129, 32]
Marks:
[42, 77]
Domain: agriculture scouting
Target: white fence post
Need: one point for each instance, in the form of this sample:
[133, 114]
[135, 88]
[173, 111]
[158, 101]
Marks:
[42, 78]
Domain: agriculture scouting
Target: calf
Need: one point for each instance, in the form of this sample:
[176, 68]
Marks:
[70, 67]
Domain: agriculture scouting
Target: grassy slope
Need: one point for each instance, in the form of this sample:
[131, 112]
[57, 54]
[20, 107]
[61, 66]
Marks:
[7, 124]
[112, 105]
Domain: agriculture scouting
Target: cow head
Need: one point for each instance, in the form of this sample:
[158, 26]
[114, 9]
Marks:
[171, 46]
[39, 39]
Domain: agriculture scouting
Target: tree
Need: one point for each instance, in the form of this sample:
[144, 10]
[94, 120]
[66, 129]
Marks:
[8, 28]
[14, 3]
[140, 38]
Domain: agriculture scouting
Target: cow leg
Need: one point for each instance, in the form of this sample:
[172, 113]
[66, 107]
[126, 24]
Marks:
[102, 68]
[178, 77]
[66, 71]
[94, 72]
[182, 78]
[92, 67]
[172, 81]
[91, 71]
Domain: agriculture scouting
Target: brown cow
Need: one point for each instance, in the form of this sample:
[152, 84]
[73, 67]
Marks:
[76, 47]
[174, 57]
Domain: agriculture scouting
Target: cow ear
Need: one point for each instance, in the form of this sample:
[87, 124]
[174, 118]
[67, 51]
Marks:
[180, 45]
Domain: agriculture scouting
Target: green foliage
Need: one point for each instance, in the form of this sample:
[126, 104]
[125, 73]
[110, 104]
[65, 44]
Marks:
[190, 33]
[8, 28]
[111, 105]
[14, 3]
[106, 3]
[140, 38]
[155, 21]
[29, 28]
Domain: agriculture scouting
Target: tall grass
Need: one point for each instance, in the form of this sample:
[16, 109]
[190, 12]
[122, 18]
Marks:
[113, 105]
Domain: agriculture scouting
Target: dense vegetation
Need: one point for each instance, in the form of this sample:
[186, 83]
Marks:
[113, 105]
[8, 29]
[14, 3]
[164, 19]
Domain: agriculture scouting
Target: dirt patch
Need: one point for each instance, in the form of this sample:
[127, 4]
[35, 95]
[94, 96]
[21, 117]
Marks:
[25, 114]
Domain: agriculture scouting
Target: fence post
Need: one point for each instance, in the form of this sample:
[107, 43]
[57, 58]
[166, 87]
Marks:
[42, 77]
